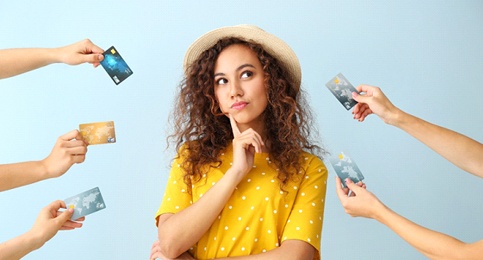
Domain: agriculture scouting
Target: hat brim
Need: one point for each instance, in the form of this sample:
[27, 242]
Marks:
[271, 44]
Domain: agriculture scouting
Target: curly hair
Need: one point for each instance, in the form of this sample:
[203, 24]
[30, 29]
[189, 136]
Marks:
[202, 131]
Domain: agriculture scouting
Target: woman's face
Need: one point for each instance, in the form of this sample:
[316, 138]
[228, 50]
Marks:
[240, 87]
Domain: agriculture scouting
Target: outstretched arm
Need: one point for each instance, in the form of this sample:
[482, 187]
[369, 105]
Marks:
[459, 149]
[432, 244]
[69, 149]
[21, 60]
[48, 223]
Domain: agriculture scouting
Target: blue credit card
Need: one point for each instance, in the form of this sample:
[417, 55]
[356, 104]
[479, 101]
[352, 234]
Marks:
[85, 203]
[342, 89]
[345, 168]
[115, 66]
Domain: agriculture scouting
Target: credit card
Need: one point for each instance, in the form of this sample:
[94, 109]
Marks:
[345, 168]
[342, 89]
[85, 203]
[115, 66]
[98, 133]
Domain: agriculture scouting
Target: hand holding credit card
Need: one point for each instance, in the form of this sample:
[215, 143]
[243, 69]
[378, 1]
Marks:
[98, 133]
[85, 203]
[342, 90]
[345, 168]
[115, 66]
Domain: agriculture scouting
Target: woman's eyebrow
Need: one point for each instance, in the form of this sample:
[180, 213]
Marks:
[244, 66]
[237, 69]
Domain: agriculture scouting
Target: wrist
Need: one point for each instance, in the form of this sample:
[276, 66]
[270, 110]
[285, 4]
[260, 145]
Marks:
[235, 176]
[396, 117]
[55, 55]
[380, 213]
[43, 169]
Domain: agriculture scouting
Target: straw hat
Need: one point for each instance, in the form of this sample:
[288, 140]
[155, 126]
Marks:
[271, 43]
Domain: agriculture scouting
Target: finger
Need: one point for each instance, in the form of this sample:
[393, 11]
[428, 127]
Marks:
[356, 109]
[94, 58]
[252, 138]
[352, 186]
[367, 112]
[74, 134]
[92, 47]
[234, 126]
[78, 150]
[360, 116]
[69, 225]
[155, 250]
[74, 143]
[359, 98]
[81, 219]
[64, 217]
[338, 188]
[78, 158]
[155, 244]
[363, 88]
[55, 206]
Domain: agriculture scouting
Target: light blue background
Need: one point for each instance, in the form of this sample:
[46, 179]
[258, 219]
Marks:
[426, 55]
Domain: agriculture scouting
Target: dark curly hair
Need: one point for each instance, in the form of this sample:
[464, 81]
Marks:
[202, 131]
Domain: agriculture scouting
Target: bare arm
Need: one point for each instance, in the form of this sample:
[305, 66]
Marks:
[48, 223]
[178, 232]
[68, 150]
[459, 149]
[21, 60]
[432, 244]
[290, 250]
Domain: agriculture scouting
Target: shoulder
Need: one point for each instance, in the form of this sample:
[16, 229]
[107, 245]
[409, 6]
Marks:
[309, 159]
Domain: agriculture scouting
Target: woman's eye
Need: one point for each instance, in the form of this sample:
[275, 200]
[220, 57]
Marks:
[221, 81]
[246, 74]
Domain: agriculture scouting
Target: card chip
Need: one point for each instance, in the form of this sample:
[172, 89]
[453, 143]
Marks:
[113, 51]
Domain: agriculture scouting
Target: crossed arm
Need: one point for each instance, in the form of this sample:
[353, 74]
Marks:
[177, 233]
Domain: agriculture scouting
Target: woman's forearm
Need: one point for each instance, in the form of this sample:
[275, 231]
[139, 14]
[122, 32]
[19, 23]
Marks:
[432, 244]
[178, 232]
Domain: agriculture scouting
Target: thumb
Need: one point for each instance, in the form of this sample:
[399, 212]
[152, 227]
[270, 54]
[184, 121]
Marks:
[93, 58]
[360, 98]
[66, 215]
[352, 186]
[71, 135]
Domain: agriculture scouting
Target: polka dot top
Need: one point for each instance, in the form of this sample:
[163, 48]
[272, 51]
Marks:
[259, 216]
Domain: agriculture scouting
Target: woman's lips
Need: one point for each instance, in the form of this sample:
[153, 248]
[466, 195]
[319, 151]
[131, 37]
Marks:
[239, 105]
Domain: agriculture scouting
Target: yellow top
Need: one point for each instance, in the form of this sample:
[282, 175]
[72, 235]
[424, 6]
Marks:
[259, 216]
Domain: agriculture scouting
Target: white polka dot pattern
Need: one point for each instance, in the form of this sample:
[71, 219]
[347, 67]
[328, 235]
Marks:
[258, 217]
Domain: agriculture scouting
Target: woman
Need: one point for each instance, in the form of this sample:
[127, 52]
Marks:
[243, 183]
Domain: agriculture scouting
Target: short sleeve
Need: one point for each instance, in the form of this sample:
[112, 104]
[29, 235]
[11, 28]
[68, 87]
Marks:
[305, 220]
[176, 196]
